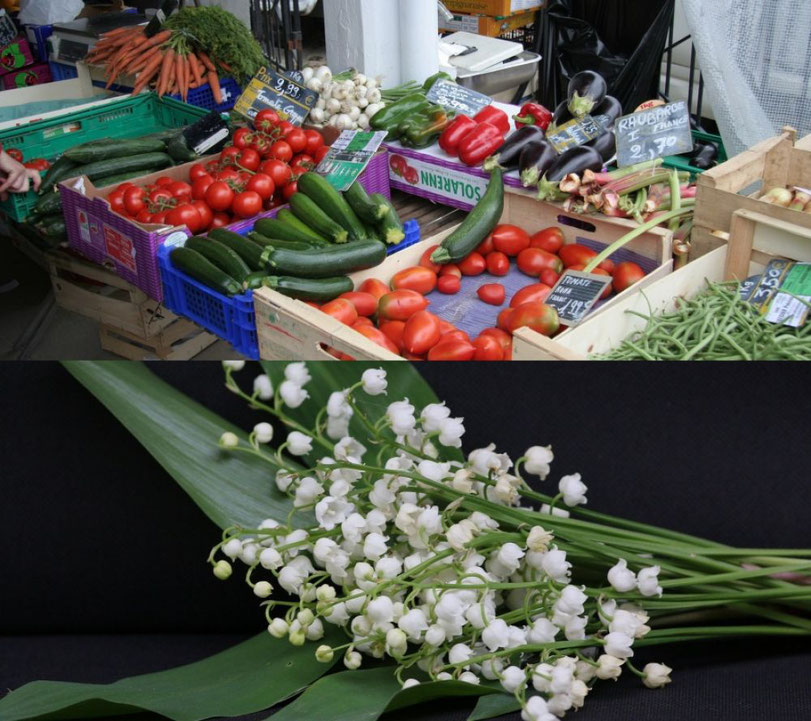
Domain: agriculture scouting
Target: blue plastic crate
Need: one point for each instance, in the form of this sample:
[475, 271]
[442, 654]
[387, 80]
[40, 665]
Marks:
[412, 231]
[62, 71]
[232, 319]
[38, 37]
[202, 97]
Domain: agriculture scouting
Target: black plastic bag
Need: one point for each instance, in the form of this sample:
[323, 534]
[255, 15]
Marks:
[623, 40]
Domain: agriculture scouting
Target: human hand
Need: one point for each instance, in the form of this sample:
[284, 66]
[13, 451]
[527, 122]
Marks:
[18, 178]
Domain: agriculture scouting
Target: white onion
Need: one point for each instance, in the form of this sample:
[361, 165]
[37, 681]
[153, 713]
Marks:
[374, 96]
[346, 106]
[354, 113]
[349, 86]
[373, 109]
[339, 92]
[333, 106]
[318, 116]
[344, 122]
[323, 73]
[315, 84]
[363, 122]
[321, 104]
[362, 91]
[307, 74]
[360, 79]
[363, 103]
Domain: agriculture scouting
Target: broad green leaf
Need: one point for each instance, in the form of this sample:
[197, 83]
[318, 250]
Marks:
[403, 382]
[242, 680]
[499, 704]
[365, 695]
[182, 435]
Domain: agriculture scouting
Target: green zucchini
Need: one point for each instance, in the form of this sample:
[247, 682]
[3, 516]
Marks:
[48, 204]
[318, 189]
[55, 229]
[326, 262]
[479, 223]
[261, 240]
[307, 211]
[119, 166]
[320, 290]
[365, 208]
[283, 230]
[85, 154]
[203, 270]
[390, 227]
[372, 233]
[254, 280]
[166, 134]
[286, 216]
[179, 149]
[249, 251]
[109, 180]
[221, 255]
[60, 170]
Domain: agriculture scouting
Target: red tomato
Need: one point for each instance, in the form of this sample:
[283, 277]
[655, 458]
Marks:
[374, 287]
[281, 150]
[285, 128]
[421, 332]
[249, 159]
[416, 278]
[321, 154]
[161, 196]
[206, 216]
[538, 316]
[498, 264]
[452, 350]
[362, 322]
[504, 339]
[549, 239]
[228, 175]
[179, 190]
[242, 138]
[341, 309]
[315, 142]
[164, 180]
[608, 266]
[394, 329]
[297, 140]
[503, 321]
[401, 304]
[144, 216]
[451, 269]
[445, 327]
[449, 284]
[261, 145]
[124, 186]
[160, 217]
[492, 293]
[365, 303]
[377, 336]
[487, 246]
[510, 239]
[200, 187]
[263, 185]
[266, 120]
[221, 220]
[16, 153]
[426, 262]
[625, 275]
[247, 204]
[532, 261]
[535, 293]
[213, 166]
[303, 162]
[549, 277]
[474, 264]
[134, 200]
[219, 196]
[290, 188]
[455, 334]
[185, 215]
[576, 255]
[116, 201]
[488, 349]
[198, 170]
[229, 156]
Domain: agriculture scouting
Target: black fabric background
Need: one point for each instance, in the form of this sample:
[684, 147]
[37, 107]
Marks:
[102, 556]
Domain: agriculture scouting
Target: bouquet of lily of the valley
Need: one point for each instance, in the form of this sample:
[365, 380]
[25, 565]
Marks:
[373, 542]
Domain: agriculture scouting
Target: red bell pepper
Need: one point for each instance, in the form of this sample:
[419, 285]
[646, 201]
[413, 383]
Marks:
[480, 143]
[535, 114]
[459, 127]
[491, 114]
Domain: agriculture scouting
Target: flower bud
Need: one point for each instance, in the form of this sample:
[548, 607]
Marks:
[222, 570]
[305, 617]
[352, 660]
[263, 589]
[298, 637]
[325, 593]
[263, 432]
[657, 675]
[409, 682]
[229, 440]
[234, 365]
[396, 642]
[324, 654]
[278, 628]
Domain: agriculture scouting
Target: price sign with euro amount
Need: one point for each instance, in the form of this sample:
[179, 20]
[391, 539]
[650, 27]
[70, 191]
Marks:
[659, 132]
[458, 98]
[575, 294]
[282, 93]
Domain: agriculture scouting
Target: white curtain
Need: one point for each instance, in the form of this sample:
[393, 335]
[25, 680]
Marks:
[756, 60]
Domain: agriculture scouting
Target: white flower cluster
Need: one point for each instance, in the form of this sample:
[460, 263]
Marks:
[415, 559]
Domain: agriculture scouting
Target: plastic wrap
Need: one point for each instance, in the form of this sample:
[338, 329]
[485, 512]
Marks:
[48, 12]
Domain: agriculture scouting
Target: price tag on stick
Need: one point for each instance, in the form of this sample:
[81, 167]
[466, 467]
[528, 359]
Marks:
[458, 98]
[575, 294]
[348, 157]
[655, 133]
[270, 89]
[575, 133]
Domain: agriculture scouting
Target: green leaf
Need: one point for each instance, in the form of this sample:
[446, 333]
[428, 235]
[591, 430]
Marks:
[242, 680]
[499, 704]
[365, 695]
[182, 435]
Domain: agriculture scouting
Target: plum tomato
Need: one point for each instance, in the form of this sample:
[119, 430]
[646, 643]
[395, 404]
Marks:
[421, 332]
[625, 275]
[474, 264]
[374, 287]
[426, 262]
[537, 316]
[342, 310]
[377, 336]
[492, 293]
[503, 321]
[393, 330]
[576, 254]
[531, 261]
[365, 303]
[416, 278]
[449, 284]
[452, 350]
[548, 239]
[498, 263]
[505, 339]
[451, 269]
[537, 292]
[549, 277]
[510, 239]
[401, 304]
[487, 246]
[488, 349]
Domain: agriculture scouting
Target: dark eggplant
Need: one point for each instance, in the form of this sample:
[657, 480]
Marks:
[562, 116]
[586, 91]
[607, 112]
[605, 145]
[577, 160]
[510, 153]
[706, 158]
[534, 161]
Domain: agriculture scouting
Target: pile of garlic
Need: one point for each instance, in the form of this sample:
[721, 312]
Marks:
[348, 101]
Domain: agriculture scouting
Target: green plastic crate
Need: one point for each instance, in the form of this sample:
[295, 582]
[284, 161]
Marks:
[681, 162]
[128, 117]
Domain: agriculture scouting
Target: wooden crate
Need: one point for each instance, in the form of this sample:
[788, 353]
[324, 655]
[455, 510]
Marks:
[778, 162]
[180, 340]
[486, 25]
[289, 329]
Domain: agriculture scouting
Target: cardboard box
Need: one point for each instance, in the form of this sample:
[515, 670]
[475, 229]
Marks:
[485, 25]
[495, 8]
[289, 329]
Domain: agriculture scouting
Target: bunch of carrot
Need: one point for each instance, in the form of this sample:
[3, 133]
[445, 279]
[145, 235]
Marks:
[164, 60]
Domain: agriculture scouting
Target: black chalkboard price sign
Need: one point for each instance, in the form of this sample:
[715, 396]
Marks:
[575, 133]
[282, 93]
[575, 294]
[655, 133]
[8, 30]
[458, 98]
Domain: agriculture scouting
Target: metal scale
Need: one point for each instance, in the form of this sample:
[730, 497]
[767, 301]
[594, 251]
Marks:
[72, 41]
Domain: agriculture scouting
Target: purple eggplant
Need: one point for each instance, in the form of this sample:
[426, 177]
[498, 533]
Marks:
[586, 91]
[561, 117]
[607, 112]
[575, 161]
[605, 145]
[509, 154]
[534, 161]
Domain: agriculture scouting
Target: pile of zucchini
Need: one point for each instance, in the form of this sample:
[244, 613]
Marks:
[109, 161]
[305, 252]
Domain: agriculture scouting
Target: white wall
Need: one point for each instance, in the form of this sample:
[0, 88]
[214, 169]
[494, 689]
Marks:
[240, 8]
